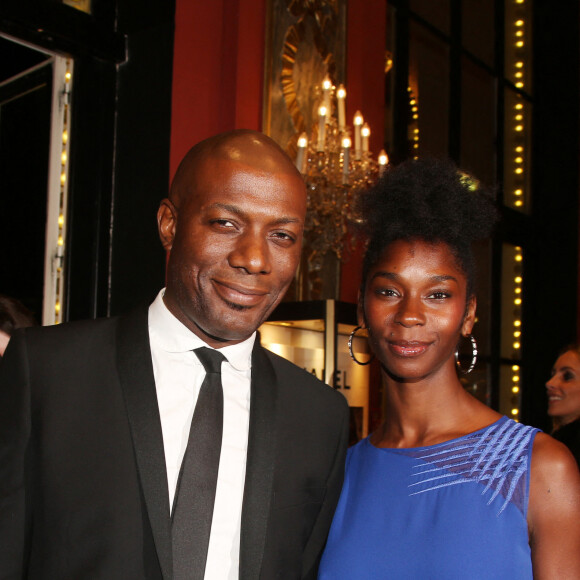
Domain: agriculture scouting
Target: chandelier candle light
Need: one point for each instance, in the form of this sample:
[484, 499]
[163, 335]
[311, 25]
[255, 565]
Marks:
[334, 174]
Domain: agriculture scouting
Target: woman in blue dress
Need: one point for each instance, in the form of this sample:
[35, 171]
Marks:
[446, 488]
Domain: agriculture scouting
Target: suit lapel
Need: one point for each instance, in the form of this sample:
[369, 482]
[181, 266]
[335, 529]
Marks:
[260, 464]
[136, 374]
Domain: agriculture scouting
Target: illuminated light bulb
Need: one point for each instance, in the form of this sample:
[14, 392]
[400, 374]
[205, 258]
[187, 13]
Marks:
[517, 334]
[515, 378]
[67, 76]
[302, 140]
[517, 323]
[518, 290]
[412, 102]
[518, 192]
[57, 306]
[519, 170]
[518, 279]
[383, 158]
[416, 130]
[515, 390]
[519, 159]
[358, 119]
[515, 367]
[519, 149]
[366, 131]
[519, 1]
[519, 117]
[515, 411]
[519, 44]
[520, 85]
[61, 220]
[60, 241]
[519, 32]
[64, 137]
[516, 345]
[416, 146]
[519, 203]
[414, 109]
[519, 64]
[326, 84]
[517, 301]
[63, 158]
[415, 117]
[519, 106]
[519, 127]
[346, 144]
[62, 178]
[519, 22]
[519, 75]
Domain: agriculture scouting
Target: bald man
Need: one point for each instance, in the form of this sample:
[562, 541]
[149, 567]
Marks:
[95, 416]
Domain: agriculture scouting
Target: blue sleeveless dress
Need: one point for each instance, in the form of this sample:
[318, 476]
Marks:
[452, 511]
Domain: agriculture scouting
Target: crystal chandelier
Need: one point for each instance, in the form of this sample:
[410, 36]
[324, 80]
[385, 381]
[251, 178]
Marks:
[336, 167]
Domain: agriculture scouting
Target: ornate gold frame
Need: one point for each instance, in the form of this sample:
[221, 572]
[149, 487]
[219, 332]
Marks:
[306, 40]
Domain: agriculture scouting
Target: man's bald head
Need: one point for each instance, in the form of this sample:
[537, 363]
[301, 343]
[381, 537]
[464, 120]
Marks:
[233, 227]
[244, 146]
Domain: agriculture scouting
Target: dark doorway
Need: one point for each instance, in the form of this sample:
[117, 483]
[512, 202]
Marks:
[25, 114]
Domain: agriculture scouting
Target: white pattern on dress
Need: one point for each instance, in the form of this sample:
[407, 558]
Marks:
[496, 456]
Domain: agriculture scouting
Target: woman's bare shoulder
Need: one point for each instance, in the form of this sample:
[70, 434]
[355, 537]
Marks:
[554, 505]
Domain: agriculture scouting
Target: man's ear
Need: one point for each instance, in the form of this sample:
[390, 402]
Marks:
[166, 222]
[469, 319]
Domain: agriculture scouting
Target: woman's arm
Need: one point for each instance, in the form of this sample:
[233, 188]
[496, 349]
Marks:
[554, 511]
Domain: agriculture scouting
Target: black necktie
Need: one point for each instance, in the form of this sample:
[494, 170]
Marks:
[196, 485]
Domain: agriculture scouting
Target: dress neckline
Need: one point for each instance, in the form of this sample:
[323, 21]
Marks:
[495, 424]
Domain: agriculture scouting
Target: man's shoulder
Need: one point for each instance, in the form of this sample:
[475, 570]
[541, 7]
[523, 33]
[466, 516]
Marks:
[78, 332]
[300, 379]
[76, 328]
[288, 368]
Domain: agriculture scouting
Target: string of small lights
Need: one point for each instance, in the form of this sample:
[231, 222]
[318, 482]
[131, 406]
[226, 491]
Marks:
[59, 257]
[518, 199]
[414, 125]
[519, 111]
[517, 332]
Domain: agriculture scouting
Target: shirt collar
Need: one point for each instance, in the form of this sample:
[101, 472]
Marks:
[172, 335]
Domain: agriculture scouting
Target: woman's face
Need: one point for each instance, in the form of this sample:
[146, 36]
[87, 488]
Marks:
[414, 306]
[564, 388]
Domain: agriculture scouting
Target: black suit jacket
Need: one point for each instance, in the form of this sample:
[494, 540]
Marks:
[83, 485]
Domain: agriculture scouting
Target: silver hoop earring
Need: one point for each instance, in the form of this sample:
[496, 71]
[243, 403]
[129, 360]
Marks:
[473, 356]
[350, 351]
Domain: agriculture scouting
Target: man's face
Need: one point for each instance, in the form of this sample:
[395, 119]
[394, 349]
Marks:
[235, 241]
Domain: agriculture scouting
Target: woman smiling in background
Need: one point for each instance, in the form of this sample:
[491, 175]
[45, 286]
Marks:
[564, 399]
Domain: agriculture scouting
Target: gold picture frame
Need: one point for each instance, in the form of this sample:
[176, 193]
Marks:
[306, 40]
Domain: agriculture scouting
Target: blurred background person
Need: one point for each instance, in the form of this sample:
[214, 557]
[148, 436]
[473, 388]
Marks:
[13, 315]
[563, 390]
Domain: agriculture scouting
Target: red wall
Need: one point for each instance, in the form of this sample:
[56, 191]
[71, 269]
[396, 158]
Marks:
[218, 69]
[365, 85]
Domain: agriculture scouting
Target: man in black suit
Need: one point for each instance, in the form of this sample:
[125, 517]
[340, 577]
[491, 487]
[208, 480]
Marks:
[95, 415]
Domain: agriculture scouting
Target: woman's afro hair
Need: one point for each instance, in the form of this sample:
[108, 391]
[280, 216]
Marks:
[430, 200]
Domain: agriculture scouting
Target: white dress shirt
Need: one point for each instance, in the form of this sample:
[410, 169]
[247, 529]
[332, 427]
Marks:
[178, 378]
